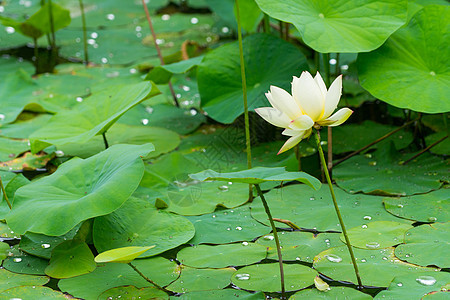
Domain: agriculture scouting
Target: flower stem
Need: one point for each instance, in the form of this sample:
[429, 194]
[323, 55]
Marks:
[244, 93]
[298, 156]
[146, 278]
[266, 22]
[275, 235]
[158, 50]
[83, 21]
[4, 193]
[336, 208]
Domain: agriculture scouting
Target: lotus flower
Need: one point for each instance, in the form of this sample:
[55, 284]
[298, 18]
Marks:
[310, 105]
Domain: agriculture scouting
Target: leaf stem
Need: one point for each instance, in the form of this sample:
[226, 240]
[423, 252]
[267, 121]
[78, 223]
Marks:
[266, 22]
[105, 141]
[83, 21]
[4, 193]
[298, 156]
[158, 50]
[425, 150]
[275, 235]
[36, 54]
[374, 142]
[244, 94]
[336, 208]
[146, 278]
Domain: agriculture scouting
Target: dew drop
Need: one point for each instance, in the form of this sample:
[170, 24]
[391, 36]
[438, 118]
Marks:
[372, 163]
[243, 276]
[45, 246]
[133, 71]
[321, 16]
[368, 218]
[333, 258]
[223, 188]
[399, 284]
[104, 60]
[333, 61]
[228, 228]
[238, 228]
[165, 17]
[363, 260]
[79, 99]
[59, 153]
[193, 112]
[186, 88]
[269, 237]
[432, 219]
[368, 155]
[373, 245]
[344, 67]
[110, 17]
[400, 205]
[384, 258]
[194, 21]
[426, 280]
[364, 226]
[213, 216]
[2, 117]
[94, 35]
[10, 30]
[17, 259]
[144, 121]
[244, 243]
[312, 198]
[225, 29]
[432, 73]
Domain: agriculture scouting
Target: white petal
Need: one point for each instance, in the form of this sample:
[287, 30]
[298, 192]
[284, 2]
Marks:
[333, 96]
[303, 122]
[291, 142]
[291, 132]
[274, 116]
[321, 84]
[308, 95]
[337, 118]
[283, 101]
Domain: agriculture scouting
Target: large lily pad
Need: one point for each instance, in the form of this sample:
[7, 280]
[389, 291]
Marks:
[429, 207]
[299, 246]
[226, 226]
[9, 280]
[266, 277]
[377, 268]
[221, 256]
[192, 279]
[138, 223]
[415, 286]
[259, 175]
[11, 182]
[382, 173]
[425, 245]
[20, 262]
[336, 292]
[85, 120]
[406, 72]
[224, 294]
[69, 259]
[376, 235]
[92, 187]
[105, 277]
[32, 292]
[10, 149]
[314, 209]
[133, 292]
[268, 61]
[340, 26]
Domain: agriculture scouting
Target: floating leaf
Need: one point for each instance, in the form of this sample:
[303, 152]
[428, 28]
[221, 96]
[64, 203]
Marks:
[297, 245]
[9, 280]
[266, 277]
[85, 121]
[20, 262]
[226, 226]
[415, 286]
[11, 148]
[162, 74]
[139, 223]
[105, 277]
[336, 292]
[414, 67]
[425, 244]
[221, 256]
[47, 205]
[268, 61]
[69, 259]
[27, 162]
[377, 268]
[224, 294]
[192, 279]
[133, 292]
[32, 292]
[340, 26]
[4, 249]
[314, 209]
[429, 207]
[259, 175]
[121, 255]
[11, 182]
[377, 235]
[382, 173]
[442, 147]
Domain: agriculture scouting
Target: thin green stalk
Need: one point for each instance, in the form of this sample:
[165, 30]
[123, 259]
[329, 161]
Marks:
[298, 156]
[424, 150]
[147, 279]
[83, 22]
[52, 25]
[105, 141]
[326, 67]
[336, 66]
[266, 23]
[275, 235]
[158, 50]
[4, 193]
[36, 54]
[244, 93]
[336, 208]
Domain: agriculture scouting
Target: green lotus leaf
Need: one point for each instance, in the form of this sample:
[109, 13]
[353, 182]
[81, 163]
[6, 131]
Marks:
[85, 120]
[22, 263]
[339, 25]
[192, 279]
[406, 72]
[224, 294]
[336, 292]
[266, 277]
[268, 61]
[9, 280]
[90, 187]
[133, 293]
[32, 292]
